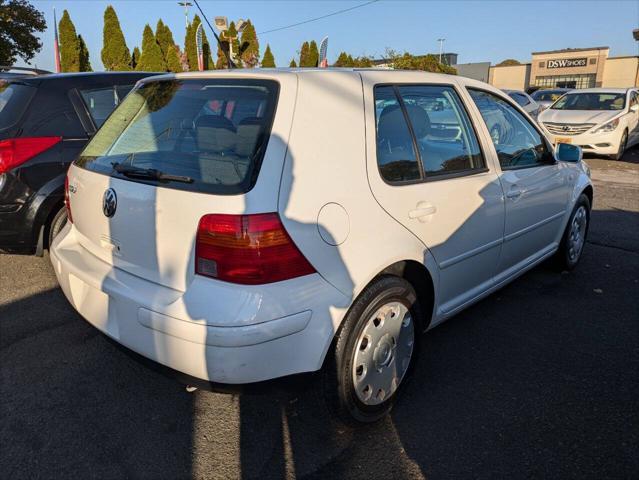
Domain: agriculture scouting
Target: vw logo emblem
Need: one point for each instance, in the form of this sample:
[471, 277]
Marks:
[109, 202]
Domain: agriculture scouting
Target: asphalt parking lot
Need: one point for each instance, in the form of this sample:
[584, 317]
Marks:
[539, 380]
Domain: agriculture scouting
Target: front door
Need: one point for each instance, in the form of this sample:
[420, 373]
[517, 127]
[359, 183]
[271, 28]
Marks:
[432, 177]
[536, 187]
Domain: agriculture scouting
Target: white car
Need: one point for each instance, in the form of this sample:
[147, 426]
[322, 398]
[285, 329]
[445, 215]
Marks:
[602, 121]
[525, 101]
[240, 226]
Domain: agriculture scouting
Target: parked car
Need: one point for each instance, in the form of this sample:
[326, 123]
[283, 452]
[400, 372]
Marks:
[525, 101]
[603, 121]
[45, 121]
[546, 97]
[241, 226]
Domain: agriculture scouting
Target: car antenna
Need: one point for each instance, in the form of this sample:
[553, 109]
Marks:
[217, 38]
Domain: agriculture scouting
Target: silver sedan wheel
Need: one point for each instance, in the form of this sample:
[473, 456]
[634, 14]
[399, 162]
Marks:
[577, 235]
[382, 353]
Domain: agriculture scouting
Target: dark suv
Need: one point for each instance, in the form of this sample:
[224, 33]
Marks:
[45, 121]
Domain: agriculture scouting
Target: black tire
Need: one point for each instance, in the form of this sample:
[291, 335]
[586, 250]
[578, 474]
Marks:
[57, 224]
[623, 144]
[338, 383]
[564, 259]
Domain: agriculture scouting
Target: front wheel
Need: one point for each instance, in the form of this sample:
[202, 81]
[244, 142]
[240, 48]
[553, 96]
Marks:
[622, 146]
[574, 238]
[374, 351]
[57, 224]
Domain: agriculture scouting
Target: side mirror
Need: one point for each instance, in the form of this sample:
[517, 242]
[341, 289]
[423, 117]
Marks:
[566, 152]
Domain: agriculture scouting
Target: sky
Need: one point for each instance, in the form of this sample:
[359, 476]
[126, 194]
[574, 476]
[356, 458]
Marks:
[477, 30]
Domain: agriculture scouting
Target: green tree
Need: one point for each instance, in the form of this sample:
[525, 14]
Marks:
[151, 59]
[509, 62]
[251, 53]
[115, 53]
[164, 37]
[19, 21]
[135, 58]
[343, 60]
[268, 61]
[313, 54]
[173, 62]
[85, 63]
[69, 45]
[293, 64]
[427, 63]
[363, 62]
[304, 55]
[232, 36]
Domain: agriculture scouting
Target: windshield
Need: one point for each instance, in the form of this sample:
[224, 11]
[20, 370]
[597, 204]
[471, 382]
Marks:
[591, 101]
[14, 99]
[211, 131]
[547, 96]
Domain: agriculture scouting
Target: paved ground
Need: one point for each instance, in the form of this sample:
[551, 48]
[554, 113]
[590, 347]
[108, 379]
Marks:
[539, 380]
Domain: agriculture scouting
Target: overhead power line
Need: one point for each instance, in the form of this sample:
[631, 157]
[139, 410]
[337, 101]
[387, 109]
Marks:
[338, 12]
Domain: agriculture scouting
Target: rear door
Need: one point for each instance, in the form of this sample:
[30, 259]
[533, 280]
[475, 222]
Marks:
[536, 187]
[215, 132]
[432, 177]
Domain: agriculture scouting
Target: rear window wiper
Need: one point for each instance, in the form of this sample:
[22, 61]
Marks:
[150, 173]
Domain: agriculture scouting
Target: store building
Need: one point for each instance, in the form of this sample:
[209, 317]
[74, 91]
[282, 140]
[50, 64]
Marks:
[567, 68]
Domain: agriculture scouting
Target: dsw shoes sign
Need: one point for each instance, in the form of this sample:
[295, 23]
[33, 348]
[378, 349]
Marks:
[567, 63]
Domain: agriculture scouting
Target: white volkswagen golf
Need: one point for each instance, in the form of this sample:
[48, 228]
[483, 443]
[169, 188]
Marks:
[240, 226]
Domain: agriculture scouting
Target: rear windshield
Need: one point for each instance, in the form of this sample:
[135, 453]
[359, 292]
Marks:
[211, 133]
[14, 99]
[591, 101]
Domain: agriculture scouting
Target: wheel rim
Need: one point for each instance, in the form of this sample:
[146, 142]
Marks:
[577, 235]
[383, 352]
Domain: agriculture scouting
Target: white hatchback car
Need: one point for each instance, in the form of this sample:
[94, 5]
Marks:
[240, 226]
[603, 121]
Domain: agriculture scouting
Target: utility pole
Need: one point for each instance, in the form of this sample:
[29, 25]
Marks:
[441, 48]
[186, 6]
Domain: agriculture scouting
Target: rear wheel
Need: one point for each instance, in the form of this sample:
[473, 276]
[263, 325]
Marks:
[574, 239]
[374, 351]
[57, 224]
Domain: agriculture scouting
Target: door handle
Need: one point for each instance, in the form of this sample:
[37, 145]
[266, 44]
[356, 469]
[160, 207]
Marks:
[513, 193]
[422, 210]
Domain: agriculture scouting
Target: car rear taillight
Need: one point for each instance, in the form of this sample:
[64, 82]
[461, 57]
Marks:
[247, 249]
[67, 201]
[16, 151]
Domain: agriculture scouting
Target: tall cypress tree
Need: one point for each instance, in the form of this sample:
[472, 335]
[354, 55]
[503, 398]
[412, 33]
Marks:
[232, 36]
[115, 53]
[69, 45]
[85, 63]
[292, 64]
[304, 52]
[173, 62]
[151, 59]
[135, 58]
[313, 54]
[164, 37]
[251, 54]
[268, 61]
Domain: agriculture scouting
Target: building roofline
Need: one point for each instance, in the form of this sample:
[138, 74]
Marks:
[507, 66]
[624, 56]
[570, 50]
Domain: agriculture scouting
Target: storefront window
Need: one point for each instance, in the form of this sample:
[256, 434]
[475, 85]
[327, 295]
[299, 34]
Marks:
[566, 81]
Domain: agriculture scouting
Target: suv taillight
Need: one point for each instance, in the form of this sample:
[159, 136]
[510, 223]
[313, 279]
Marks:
[16, 151]
[67, 202]
[247, 249]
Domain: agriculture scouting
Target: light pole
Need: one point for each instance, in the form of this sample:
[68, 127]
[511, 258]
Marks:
[441, 48]
[222, 24]
[186, 6]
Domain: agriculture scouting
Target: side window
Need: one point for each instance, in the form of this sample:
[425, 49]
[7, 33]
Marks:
[123, 91]
[517, 142]
[521, 100]
[396, 156]
[445, 138]
[100, 102]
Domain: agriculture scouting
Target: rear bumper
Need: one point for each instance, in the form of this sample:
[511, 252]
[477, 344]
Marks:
[214, 331]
